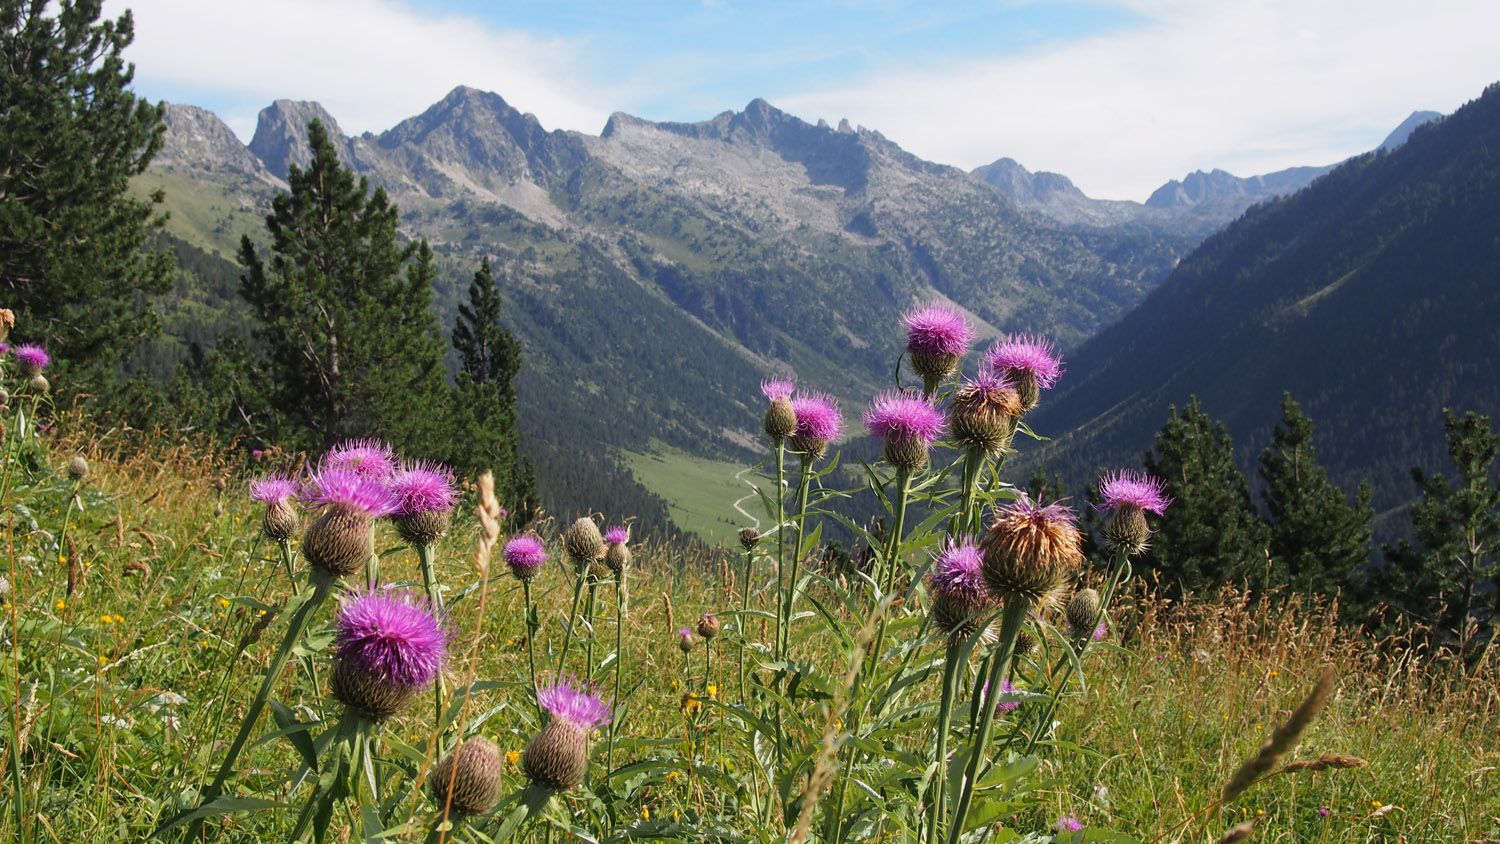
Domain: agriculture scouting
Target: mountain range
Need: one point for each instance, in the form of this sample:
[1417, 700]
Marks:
[655, 272]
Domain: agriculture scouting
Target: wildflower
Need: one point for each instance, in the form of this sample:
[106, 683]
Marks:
[32, 359]
[713, 691]
[959, 594]
[819, 423]
[1082, 610]
[525, 554]
[780, 419]
[114, 721]
[1030, 551]
[685, 640]
[107, 619]
[937, 338]
[59, 604]
[672, 775]
[424, 502]
[340, 541]
[908, 424]
[1126, 496]
[1324, 811]
[1006, 701]
[617, 554]
[749, 538]
[1067, 823]
[558, 756]
[984, 413]
[512, 757]
[224, 603]
[468, 779]
[389, 647]
[1030, 363]
[367, 458]
[7, 322]
[583, 542]
[708, 626]
[645, 813]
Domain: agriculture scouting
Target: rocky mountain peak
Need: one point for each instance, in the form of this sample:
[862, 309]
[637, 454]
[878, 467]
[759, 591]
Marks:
[1018, 183]
[196, 139]
[1398, 136]
[281, 134]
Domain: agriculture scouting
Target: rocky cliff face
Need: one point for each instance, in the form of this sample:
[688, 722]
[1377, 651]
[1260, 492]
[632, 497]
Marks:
[281, 134]
[196, 139]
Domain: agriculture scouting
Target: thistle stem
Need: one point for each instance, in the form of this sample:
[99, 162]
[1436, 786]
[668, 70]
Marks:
[780, 538]
[588, 647]
[531, 628]
[744, 615]
[562, 657]
[940, 757]
[886, 578]
[791, 591]
[609, 763]
[426, 560]
[1010, 627]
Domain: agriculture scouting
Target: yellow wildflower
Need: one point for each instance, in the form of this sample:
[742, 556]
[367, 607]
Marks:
[513, 757]
[713, 692]
[119, 619]
[645, 813]
[224, 602]
[59, 604]
[107, 618]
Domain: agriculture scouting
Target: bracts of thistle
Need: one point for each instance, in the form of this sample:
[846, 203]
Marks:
[982, 419]
[337, 543]
[280, 521]
[557, 757]
[1031, 552]
[937, 338]
[389, 647]
[467, 781]
[1029, 363]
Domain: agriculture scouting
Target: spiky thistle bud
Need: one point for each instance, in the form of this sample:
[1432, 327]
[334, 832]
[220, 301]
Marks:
[617, 554]
[1031, 551]
[749, 538]
[780, 420]
[471, 773]
[984, 413]
[708, 626]
[40, 384]
[686, 639]
[341, 540]
[583, 543]
[280, 520]
[1025, 642]
[1126, 496]
[1082, 610]
[557, 757]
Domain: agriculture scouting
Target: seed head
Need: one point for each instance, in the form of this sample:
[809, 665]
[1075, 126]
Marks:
[1030, 551]
[78, 468]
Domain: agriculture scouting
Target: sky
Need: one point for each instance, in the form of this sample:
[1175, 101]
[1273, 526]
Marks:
[1119, 95]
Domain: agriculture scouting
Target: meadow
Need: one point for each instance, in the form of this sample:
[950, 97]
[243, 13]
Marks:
[143, 603]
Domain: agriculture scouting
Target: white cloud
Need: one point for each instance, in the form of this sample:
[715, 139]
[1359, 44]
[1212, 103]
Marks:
[371, 63]
[1245, 86]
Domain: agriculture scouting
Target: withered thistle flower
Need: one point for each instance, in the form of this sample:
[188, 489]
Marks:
[424, 502]
[1031, 551]
[780, 419]
[583, 543]
[749, 538]
[984, 414]
[557, 757]
[709, 626]
[1030, 363]
[389, 647]
[340, 540]
[472, 772]
[937, 338]
[276, 492]
[78, 468]
[7, 322]
[1126, 496]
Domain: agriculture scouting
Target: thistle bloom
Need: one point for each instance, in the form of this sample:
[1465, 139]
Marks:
[525, 555]
[367, 458]
[1031, 363]
[959, 593]
[340, 541]
[937, 338]
[557, 757]
[908, 424]
[1030, 551]
[276, 492]
[1068, 823]
[685, 639]
[780, 420]
[819, 423]
[984, 413]
[1006, 700]
[32, 358]
[424, 498]
[389, 647]
[1126, 495]
[617, 553]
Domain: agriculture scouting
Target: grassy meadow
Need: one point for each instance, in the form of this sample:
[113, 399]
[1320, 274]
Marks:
[140, 614]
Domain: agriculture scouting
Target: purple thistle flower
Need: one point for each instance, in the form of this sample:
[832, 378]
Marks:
[1324, 811]
[617, 534]
[1128, 488]
[1101, 632]
[818, 417]
[422, 488]
[369, 458]
[576, 703]
[525, 553]
[1005, 701]
[1068, 823]
[958, 570]
[32, 358]
[391, 635]
[1026, 354]
[778, 388]
[903, 418]
[273, 489]
[4, 349]
[335, 487]
[936, 330]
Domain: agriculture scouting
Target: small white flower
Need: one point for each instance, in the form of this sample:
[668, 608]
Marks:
[115, 721]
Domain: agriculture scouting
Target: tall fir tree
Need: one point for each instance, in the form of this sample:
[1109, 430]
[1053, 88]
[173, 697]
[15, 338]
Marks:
[345, 316]
[1449, 579]
[75, 262]
[484, 407]
[1212, 534]
[1320, 540]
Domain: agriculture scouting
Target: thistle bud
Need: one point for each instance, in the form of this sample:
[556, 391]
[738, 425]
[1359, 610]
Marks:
[749, 538]
[708, 626]
[780, 420]
[984, 414]
[1025, 642]
[583, 542]
[280, 521]
[78, 468]
[557, 757]
[1082, 610]
[40, 384]
[685, 640]
[1126, 531]
[339, 542]
[471, 773]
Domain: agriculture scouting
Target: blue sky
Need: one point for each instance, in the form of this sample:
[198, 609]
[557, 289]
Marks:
[1120, 95]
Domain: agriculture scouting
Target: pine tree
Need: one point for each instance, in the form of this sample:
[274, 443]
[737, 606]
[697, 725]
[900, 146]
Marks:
[74, 258]
[1320, 540]
[1450, 580]
[484, 407]
[352, 346]
[1211, 534]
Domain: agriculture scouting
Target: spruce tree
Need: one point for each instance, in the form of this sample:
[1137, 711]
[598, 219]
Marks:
[345, 317]
[74, 258]
[1450, 579]
[1320, 540]
[484, 407]
[1211, 534]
